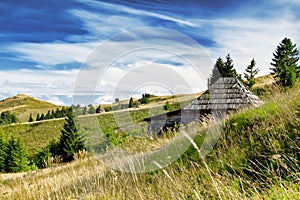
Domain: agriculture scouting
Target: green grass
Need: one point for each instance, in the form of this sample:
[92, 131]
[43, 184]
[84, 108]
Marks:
[37, 135]
[34, 135]
[256, 157]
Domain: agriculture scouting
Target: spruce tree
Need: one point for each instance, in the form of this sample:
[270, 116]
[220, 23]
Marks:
[223, 69]
[16, 158]
[57, 113]
[48, 115]
[216, 72]
[285, 60]
[2, 154]
[71, 139]
[228, 70]
[30, 118]
[250, 74]
[38, 118]
[130, 103]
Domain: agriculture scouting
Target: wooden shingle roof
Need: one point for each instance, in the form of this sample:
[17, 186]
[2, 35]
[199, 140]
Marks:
[227, 93]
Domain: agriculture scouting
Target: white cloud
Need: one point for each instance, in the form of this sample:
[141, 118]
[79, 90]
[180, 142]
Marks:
[51, 53]
[54, 99]
[37, 82]
[104, 99]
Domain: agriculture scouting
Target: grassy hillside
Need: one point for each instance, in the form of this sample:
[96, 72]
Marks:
[22, 105]
[256, 157]
[37, 135]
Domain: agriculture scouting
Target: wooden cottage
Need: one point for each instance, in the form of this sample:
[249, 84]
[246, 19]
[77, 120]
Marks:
[225, 95]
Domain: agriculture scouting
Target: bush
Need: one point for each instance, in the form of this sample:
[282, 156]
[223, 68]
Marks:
[167, 106]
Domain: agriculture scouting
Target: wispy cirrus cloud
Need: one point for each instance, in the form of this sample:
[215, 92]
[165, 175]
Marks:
[138, 12]
[51, 53]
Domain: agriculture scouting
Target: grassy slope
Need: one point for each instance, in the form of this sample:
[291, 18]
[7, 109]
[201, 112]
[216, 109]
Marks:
[22, 105]
[257, 157]
[38, 134]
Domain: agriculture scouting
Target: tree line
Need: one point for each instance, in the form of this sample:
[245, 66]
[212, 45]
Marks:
[59, 113]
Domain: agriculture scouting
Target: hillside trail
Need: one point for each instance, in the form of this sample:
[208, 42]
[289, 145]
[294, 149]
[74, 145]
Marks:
[13, 108]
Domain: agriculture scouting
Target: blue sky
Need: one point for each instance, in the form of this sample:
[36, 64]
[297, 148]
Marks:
[44, 43]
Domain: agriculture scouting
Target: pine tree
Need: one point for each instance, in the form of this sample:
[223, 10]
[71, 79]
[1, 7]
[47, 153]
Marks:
[2, 154]
[38, 118]
[57, 113]
[16, 158]
[216, 72]
[285, 60]
[130, 105]
[223, 69]
[228, 70]
[30, 118]
[48, 115]
[42, 116]
[250, 74]
[71, 139]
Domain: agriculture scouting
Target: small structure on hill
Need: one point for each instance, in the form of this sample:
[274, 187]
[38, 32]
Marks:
[225, 95]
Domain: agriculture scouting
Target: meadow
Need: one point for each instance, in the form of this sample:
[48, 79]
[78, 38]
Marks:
[256, 157]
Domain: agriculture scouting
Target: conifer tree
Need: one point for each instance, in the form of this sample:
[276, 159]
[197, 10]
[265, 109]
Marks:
[71, 139]
[38, 117]
[16, 158]
[250, 74]
[57, 113]
[48, 115]
[216, 72]
[285, 60]
[130, 105]
[30, 118]
[2, 154]
[223, 69]
[228, 70]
